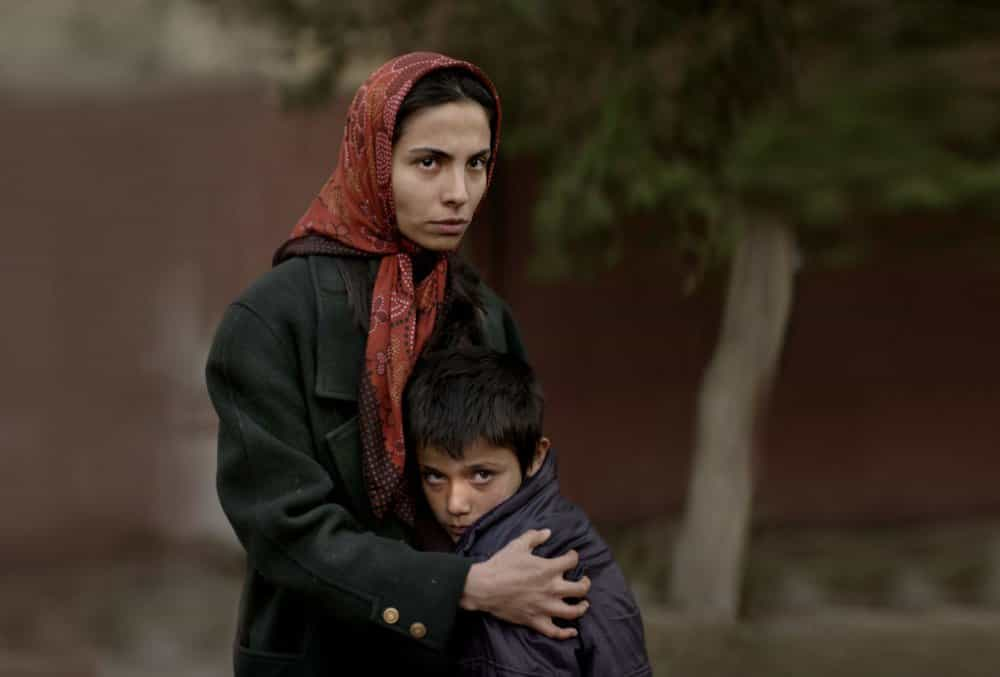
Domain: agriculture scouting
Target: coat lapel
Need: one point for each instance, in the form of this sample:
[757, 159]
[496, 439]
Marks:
[340, 356]
[340, 352]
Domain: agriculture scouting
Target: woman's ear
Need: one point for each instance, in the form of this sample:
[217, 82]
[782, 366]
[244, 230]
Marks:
[541, 451]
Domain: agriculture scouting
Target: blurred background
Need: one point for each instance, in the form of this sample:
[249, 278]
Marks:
[754, 252]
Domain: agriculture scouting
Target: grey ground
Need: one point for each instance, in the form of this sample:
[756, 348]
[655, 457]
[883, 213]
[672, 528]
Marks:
[883, 602]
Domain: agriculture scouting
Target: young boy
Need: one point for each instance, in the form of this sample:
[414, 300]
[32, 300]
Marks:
[474, 419]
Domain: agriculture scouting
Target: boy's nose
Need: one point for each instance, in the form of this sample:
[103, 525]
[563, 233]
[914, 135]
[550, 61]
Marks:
[458, 501]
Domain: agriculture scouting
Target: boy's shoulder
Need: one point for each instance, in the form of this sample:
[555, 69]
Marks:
[571, 530]
[611, 640]
[541, 507]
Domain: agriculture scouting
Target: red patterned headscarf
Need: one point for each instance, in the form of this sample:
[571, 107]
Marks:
[355, 213]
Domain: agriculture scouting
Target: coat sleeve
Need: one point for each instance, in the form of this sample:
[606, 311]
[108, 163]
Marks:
[278, 496]
[612, 639]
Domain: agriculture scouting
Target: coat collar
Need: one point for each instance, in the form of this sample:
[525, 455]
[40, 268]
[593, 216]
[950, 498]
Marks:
[542, 486]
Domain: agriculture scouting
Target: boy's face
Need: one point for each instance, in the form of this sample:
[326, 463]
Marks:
[460, 491]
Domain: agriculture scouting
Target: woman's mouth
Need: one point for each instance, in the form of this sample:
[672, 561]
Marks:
[449, 226]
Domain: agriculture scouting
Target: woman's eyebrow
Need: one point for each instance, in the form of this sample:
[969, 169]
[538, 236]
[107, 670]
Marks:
[437, 152]
[427, 150]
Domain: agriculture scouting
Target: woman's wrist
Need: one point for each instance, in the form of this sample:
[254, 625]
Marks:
[476, 585]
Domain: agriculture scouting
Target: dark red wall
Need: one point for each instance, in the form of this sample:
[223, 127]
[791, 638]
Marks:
[885, 406]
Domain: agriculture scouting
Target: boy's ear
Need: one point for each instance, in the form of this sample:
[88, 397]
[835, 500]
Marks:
[541, 451]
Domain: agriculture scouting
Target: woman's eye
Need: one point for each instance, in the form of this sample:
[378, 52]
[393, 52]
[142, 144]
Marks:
[427, 162]
[432, 478]
[478, 163]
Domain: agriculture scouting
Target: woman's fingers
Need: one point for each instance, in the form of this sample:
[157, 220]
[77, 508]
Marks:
[533, 538]
[565, 562]
[553, 631]
[526, 589]
[578, 588]
[566, 611]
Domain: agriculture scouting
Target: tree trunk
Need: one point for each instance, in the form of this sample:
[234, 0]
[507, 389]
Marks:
[708, 560]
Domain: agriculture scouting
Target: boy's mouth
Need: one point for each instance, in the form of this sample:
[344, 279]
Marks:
[456, 530]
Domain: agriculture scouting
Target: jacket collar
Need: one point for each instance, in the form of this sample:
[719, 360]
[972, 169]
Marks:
[545, 483]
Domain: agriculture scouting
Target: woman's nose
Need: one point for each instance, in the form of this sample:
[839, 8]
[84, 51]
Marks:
[456, 189]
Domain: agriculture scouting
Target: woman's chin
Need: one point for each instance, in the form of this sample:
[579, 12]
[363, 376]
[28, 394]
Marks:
[439, 243]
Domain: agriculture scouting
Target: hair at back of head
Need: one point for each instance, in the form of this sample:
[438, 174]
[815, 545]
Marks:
[456, 397]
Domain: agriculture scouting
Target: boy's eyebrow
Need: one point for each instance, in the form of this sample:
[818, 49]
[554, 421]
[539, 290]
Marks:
[492, 465]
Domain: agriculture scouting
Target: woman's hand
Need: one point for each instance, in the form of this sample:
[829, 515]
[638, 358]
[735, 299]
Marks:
[527, 590]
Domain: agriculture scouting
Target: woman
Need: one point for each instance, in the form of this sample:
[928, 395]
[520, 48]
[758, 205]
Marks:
[306, 374]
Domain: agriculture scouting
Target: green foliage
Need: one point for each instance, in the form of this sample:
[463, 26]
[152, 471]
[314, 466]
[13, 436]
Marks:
[831, 116]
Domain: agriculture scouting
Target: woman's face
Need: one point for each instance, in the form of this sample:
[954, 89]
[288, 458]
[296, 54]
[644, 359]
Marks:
[439, 173]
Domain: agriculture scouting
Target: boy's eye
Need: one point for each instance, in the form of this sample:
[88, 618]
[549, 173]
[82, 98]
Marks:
[483, 476]
[427, 162]
[432, 477]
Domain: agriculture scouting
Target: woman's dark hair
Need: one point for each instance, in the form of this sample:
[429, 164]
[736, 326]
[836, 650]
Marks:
[460, 320]
[446, 85]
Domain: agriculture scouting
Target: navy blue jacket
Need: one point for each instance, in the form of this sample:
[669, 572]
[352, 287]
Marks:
[610, 642]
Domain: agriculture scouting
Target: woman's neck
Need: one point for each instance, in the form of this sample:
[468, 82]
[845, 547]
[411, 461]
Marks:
[423, 264]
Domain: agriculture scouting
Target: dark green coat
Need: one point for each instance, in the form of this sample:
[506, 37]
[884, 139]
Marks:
[327, 586]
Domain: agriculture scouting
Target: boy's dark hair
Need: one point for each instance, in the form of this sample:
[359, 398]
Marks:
[458, 396]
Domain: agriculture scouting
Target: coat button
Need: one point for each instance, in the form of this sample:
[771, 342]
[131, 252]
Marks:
[418, 630]
[390, 615]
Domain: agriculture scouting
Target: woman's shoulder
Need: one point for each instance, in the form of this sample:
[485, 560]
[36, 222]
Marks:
[292, 306]
[292, 286]
[498, 322]
[469, 277]
[281, 279]
[491, 299]
[470, 287]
